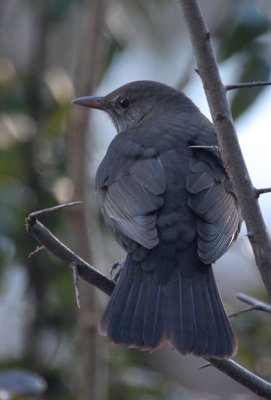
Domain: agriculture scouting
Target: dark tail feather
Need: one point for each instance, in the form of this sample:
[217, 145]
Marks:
[197, 322]
[186, 311]
[134, 313]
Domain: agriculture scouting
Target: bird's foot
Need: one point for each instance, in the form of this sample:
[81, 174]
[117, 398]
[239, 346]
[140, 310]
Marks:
[118, 265]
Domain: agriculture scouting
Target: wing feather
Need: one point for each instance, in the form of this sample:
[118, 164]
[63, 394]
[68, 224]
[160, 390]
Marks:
[214, 204]
[131, 201]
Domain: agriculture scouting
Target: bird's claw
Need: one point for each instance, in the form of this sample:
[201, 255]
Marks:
[115, 274]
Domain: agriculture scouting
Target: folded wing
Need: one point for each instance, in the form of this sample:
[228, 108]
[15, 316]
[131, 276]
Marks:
[131, 201]
[214, 203]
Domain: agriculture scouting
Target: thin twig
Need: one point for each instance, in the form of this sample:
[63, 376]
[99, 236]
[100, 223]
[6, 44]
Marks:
[243, 311]
[45, 211]
[257, 304]
[247, 85]
[258, 192]
[212, 148]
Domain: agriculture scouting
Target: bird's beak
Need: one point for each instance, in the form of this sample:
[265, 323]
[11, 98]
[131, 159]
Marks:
[91, 102]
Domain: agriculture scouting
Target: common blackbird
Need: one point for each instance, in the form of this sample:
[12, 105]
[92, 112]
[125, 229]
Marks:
[172, 208]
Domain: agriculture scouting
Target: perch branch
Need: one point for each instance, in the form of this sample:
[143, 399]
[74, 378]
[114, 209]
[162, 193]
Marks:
[45, 238]
[90, 274]
[228, 141]
[243, 376]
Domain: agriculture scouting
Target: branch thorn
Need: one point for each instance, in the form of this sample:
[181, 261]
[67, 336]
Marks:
[206, 365]
[258, 192]
[37, 250]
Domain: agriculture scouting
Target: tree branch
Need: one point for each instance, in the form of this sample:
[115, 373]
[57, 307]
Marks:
[229, 145]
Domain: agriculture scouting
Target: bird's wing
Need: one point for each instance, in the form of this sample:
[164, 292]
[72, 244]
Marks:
[130, 200]
[212, 200]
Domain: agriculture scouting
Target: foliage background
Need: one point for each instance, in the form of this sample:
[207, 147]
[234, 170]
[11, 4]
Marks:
[51, 51]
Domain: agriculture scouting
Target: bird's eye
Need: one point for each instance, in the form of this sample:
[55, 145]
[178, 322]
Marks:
[123, 103]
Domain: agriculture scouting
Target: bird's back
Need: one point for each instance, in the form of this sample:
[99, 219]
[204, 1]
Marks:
[171, 207]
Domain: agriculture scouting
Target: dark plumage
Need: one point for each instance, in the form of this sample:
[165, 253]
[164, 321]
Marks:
[172, 208]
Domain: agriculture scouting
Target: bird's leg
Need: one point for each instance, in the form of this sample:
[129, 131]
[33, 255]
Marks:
[115, 274]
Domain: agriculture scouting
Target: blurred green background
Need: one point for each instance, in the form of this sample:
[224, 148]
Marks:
[50, 52]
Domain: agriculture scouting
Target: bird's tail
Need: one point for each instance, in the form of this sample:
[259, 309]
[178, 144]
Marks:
[187, 312]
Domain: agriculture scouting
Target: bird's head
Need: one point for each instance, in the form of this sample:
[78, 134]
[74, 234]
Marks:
[133, 103]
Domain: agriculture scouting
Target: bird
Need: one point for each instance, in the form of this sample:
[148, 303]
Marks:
[166, 197]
